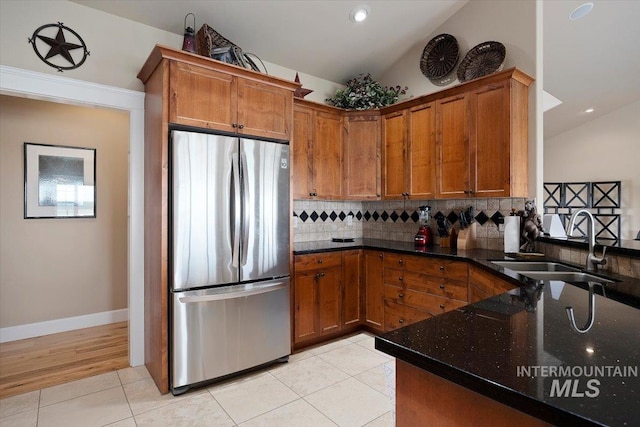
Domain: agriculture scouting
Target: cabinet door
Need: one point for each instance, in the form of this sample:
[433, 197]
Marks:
[306, 306]
[202, 98]
[490, 137]
[327, 155]
[362, 157]
[264, 110]
[374, 290]
[393, 156]
[329, 282]
[422, 151]
[453, 147]
[301, 185]
[352, 276]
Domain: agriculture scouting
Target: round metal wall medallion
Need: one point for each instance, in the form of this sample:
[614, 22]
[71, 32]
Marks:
[60, 48]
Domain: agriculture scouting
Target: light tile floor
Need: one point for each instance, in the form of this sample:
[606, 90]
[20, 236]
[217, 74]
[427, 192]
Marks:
[345, 383]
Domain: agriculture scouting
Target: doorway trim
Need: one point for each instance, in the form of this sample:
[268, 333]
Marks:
[31, 84]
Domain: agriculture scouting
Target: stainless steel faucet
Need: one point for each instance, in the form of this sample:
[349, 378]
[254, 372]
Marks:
[592, 260]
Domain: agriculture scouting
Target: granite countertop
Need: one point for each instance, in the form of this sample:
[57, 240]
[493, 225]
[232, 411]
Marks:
[516, 347]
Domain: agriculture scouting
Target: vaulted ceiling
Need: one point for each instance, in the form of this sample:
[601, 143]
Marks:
[591, 62]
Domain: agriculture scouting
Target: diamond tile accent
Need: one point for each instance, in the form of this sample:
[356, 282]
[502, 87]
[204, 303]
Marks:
[333, 215]
[304, 216]
[367, 216]
[314, 216]
[404, 216]
[497, 218]
[324, 216]
[384, 216]
[482, 218]
[359, 215]
[437, 216]
[394, 216]
[375, 215]
[452, 217]
[415, 216]
[342, 215]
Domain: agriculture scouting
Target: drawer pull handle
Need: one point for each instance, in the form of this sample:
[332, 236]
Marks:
[400, 279]
[442, 268]
[380, 256]
[234, 125]
[441, 286]
[241, 126]
[401, 321]
[400, 261]
[442, 306]
[319, 261]
[400, 295]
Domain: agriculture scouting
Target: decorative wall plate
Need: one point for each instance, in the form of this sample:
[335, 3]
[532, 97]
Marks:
[482, 60]
[439, 57]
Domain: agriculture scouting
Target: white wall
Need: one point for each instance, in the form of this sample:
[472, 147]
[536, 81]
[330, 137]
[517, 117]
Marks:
[604, 149]
[512, 23]
[118, 46]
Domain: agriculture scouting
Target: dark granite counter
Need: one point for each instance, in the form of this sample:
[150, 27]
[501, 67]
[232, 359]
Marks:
[520, 349]
[517, 357]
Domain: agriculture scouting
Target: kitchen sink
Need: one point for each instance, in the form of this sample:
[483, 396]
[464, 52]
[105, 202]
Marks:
[565, 276]
[535, 266]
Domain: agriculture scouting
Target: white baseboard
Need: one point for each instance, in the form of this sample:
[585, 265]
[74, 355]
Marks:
[31, 330]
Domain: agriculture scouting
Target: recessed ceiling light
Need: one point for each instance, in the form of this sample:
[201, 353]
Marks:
[589, 110]
[590, 350]
[581, 11]
[359, 14]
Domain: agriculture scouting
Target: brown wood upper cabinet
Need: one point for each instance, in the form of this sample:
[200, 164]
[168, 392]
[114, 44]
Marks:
[208, 98]
[482, 141]
[362, 156]
[409, 153]
[317, 153]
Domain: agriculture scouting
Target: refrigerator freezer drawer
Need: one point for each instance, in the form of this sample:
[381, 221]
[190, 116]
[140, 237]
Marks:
[220, 331]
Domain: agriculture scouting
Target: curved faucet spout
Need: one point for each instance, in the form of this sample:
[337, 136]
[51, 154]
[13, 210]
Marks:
[592, 261]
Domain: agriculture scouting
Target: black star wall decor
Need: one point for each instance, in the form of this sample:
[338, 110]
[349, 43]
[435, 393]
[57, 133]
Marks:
[65, 43]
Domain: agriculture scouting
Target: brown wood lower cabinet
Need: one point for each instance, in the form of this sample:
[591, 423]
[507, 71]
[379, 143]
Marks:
[416, 288]
[327, 294]
[374, 293]
[338, 292]
[421, 395]
[483, 284]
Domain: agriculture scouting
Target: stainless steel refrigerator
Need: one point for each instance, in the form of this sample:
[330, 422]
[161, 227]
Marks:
[230, 307]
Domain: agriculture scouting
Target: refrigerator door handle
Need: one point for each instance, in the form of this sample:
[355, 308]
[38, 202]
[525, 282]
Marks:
[246, 213]
[235, 205]
[233, 294]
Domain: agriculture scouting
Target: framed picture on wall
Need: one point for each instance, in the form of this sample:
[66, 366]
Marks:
[59, 182]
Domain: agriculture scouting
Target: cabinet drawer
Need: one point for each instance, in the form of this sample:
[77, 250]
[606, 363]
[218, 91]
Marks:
[431, 303]
[315, 261]
[394, 276]
[449, 269]
[444, 287]
[487, 282]
[398, 315]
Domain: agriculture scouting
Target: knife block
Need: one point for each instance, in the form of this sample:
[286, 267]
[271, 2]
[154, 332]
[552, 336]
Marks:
[467, 237]
[449, 241]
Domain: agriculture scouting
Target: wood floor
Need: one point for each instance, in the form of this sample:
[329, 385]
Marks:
[36, 363]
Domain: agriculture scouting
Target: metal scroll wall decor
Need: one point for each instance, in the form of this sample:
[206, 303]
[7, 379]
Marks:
[59, 46]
